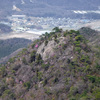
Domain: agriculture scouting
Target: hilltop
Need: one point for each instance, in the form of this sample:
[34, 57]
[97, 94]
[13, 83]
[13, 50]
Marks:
[60, 65]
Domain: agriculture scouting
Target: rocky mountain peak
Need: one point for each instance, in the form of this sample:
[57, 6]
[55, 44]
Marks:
[60, 65]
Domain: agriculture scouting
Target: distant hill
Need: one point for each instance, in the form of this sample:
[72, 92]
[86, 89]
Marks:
[60, 65]
[13, 54]
[50, 8]
[91, 35]
[10, 45]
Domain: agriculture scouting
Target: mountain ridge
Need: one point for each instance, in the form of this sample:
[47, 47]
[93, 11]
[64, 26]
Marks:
[46, 8]
[10, 45]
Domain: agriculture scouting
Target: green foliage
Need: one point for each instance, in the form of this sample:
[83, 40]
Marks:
[87, 69]
[27, 85]
[48, 91]
[78, 49]
[85, 59]
[73, 31]
[55, 36]
[94, 79]
[3, 71]
[64, 46]
[23, 51]
[36, 86]
[45, 66]
[77, 43]
[21, 99]
[33, 45]
[46, 42]
[65, 33]
[73, 90]
[38, 59]
[79, 38]
[24, 60]
[8, 93]
[56, 80]
[97, 96]
[97, 66]
[56, 40]
[67, 72]
[56, 29]
[11, 60]
[40, 74]
[59, 34]
[96, 93]
[45, 81]
[33, 56]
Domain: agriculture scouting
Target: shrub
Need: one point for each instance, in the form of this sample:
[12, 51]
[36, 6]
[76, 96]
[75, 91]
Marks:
[45, 66]
[65, 33]
[73, 90]
[7, 93]
[39, 59]
[56, 29]
[64, 45]
[97, 96]
[87, 68]
[45, 82]
[46, 42]
[3, 71]
[56, 80]
[85, 59]
[27, 85]
[79, 38]
[55, 36]
[24, 60]
[48, 91]
[78, 49]
[40, 74]
[10, 81]
[97, 66]
[73, 31]
[33, 45]
[33, 56]
[77, 43]
[92, 78]
[11, 60]
[96, 93]
[23, 51]
[56, 40]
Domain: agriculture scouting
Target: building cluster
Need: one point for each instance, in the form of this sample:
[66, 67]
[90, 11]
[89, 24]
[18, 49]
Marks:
[23, 23]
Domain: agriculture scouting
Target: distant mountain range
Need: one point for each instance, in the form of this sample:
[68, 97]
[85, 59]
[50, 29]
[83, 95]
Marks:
[55, 8]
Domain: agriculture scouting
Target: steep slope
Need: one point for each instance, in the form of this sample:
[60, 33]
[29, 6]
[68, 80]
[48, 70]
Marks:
[58, 66]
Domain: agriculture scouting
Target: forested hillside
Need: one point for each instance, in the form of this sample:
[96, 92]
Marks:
[10, 45]
[60, 65]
